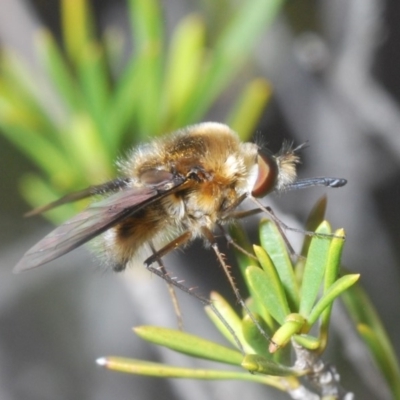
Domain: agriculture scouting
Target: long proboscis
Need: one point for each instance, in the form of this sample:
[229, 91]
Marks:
[308, 182]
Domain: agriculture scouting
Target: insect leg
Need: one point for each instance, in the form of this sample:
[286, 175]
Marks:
[243, 214]
[162, 273]
[281, 225]
[231, 242]
[171, 290]
[174, 244]
[210, 237]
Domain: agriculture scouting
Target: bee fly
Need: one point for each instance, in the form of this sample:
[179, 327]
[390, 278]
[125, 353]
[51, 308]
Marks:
[172, 190]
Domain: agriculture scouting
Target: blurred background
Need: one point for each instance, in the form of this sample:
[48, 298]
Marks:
[326, 72]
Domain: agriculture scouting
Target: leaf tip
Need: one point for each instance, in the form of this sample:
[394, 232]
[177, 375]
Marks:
[102, 361]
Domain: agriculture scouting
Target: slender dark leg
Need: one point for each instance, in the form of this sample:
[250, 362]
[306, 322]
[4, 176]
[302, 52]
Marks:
[171, 290]
[281, 225]
[163, 273]
[210, 237]
[231, 242]
[178, 242]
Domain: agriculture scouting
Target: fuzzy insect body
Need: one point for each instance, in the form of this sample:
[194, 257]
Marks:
[181, 185]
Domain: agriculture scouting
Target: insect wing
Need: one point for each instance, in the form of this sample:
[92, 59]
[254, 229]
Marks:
[81, 194]
[91, 222]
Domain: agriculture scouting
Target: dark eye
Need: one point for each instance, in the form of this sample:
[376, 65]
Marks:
[267, 175]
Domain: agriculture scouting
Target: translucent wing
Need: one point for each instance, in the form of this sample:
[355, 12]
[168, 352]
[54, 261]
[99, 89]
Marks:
[82, 194]
[91, 222]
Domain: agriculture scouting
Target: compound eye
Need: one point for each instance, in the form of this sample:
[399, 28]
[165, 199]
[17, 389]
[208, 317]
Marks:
[267, 175]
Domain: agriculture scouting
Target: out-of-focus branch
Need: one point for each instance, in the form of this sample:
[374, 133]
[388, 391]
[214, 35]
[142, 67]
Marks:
[323, 376]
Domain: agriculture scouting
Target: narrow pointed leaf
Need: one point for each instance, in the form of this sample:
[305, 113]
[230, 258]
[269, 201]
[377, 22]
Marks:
[331, 274]
[185, 61]
[314, 219]
[23, 99]
[38, 191]
[330, 295]
[239, 237]
[94, 81]
[147, 22]
[148, 34]
[283, 335]
[77, 27]
[231, 318]
[189, 344]
[253, 336]
[273, 243]
[247, 112]
[87, 150]
[228, 55]
[269, 291]
[34, 146]
[307, 341]
[363, 312]
[139, 367]
[123, 102]
[334, 259]
[315, 268]
[59, 71]
[371, 338]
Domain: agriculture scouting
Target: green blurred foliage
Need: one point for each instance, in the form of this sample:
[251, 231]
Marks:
[75, 135]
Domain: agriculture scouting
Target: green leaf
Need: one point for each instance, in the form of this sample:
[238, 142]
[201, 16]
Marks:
[261, 365]
[23, 100]
[307, 341]
[77, 28]
[330, 295]
[363, 313]
[147, 23]
[38, 191]
[293, 324]
[334, 259]
[46, 155]
[94, 83]
[315, 268]
[268, 289]
[189, 344]
[123, 103]
[314, 219]
[239, 236]
[272, 242]
[253, 336]
[184, 66]
[59, 71]
[247, 111]
[87, 150]
[331, 274]
[132, 366]
[228, 55]
[372, 340]
[230, 317]
[148, 34]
